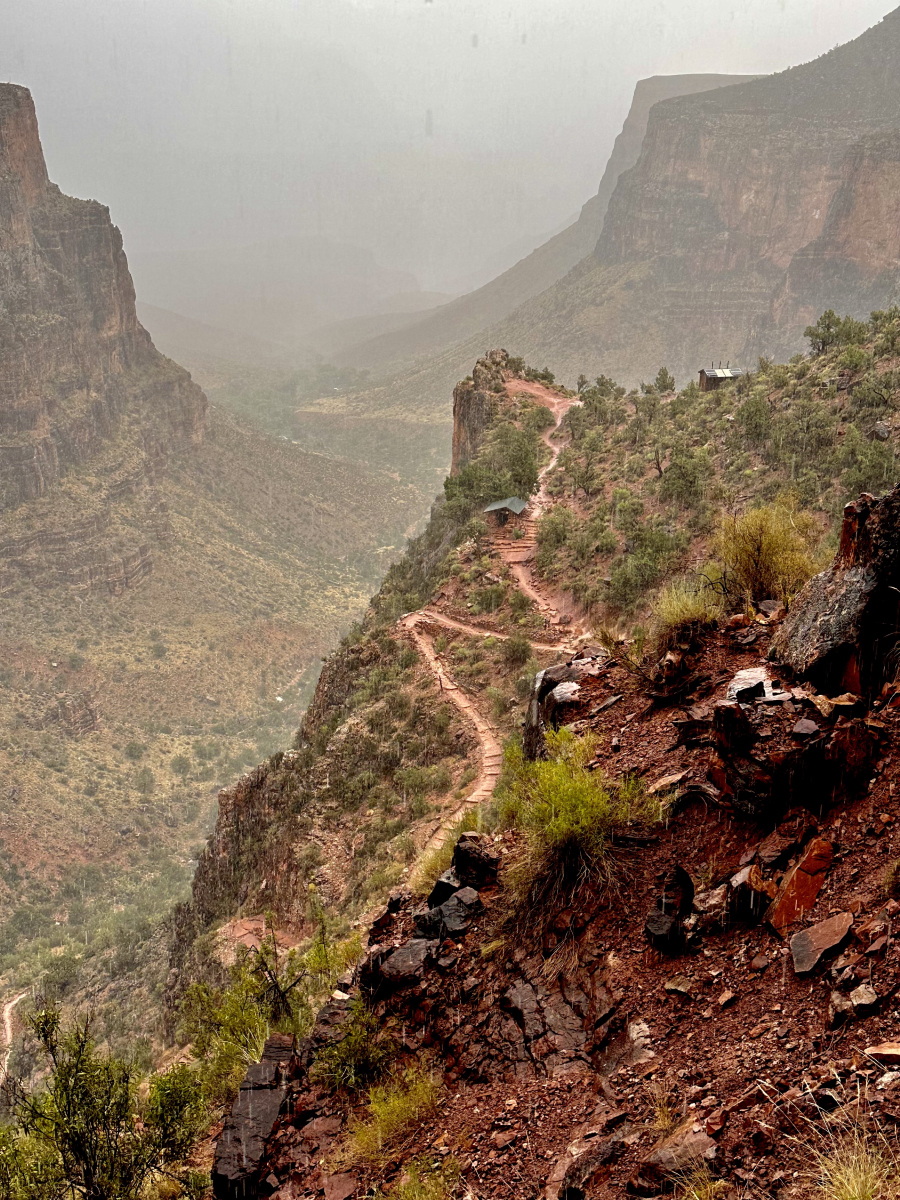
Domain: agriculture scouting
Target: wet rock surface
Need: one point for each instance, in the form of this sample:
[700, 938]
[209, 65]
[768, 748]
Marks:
[834, 634]
[252, 1119]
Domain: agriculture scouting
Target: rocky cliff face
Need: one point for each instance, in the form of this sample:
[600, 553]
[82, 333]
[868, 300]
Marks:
[83, 393]
[548, 263]
[749, 209]
[475, 402]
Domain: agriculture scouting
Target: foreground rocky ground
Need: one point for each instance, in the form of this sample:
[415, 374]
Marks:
[733, 986]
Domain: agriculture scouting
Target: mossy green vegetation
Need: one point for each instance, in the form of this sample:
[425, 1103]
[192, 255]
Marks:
[650, 475]
[393, 1110]
[568, 817]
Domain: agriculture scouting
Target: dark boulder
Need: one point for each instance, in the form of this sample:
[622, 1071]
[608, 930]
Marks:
[449, 919]
[664, 926]
[390, 970]
[474, 862]
[843, 624]
[443, 889]
[253, 1115]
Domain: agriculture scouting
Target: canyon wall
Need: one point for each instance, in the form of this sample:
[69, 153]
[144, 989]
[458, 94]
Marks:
[544, 266]
[89, 410]
[749, 210]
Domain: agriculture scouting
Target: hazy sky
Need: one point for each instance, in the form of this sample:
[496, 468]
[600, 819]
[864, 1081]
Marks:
[435, 132]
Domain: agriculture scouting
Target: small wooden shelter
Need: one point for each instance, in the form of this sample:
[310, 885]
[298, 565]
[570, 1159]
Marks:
[512, 504]
[711, 377]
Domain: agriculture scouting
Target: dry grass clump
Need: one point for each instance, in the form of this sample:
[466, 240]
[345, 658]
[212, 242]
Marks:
[857, 1165]
[766, 553]
[891, 879]
[665, 1113]
[395, 1108]
[699, 1183]
[682, 610]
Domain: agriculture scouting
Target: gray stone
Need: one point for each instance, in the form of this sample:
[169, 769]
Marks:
[811, 945]
[864, 999]
[251, 1120]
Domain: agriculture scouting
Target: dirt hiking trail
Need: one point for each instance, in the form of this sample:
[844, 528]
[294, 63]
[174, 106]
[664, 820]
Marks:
[518, 554]
[9, 1009]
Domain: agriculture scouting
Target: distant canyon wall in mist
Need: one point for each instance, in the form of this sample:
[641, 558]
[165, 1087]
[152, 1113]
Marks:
[477, 310]
[85, 398]
[749, 210]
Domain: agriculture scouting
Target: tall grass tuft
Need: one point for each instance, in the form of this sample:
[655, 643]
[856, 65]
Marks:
[682, 610]
[394, 1110]
[856, 1166]
[568, 817]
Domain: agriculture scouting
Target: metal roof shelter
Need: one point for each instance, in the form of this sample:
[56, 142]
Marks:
[711, 377]
[513, 503]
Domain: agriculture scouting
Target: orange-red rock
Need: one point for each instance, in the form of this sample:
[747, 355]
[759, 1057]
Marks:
[800, 886]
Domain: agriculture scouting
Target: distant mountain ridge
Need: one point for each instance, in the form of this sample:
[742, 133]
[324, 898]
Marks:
[548, 263]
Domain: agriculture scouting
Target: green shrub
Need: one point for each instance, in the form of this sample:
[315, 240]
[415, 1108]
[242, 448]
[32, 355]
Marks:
[488, 599]
[134, 751]
[831, 330]
[360, 1057]
[567, 816]
[181, 765]
[84, 1130]
[664, 381]
[516, 650]
[766, 553]
[686, 477]
[145, 781]
[227, 1027]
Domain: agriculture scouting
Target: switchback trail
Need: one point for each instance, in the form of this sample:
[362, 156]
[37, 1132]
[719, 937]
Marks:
[518, 554]
[425, 615]
[488, 739]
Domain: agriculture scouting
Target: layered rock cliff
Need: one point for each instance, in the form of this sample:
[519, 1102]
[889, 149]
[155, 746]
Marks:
[749, 210]
[84, 396]
[548, 263]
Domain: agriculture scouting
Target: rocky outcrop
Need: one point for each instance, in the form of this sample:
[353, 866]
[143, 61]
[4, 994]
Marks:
[475, 404]
[82, 386]
[252, 1118]
[841, 632]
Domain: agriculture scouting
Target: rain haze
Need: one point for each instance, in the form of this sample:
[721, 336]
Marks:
[449, 599]
[447, 137]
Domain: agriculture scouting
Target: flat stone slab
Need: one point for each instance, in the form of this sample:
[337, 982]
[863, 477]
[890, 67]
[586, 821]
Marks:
[884, 1052]
[810, 946]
